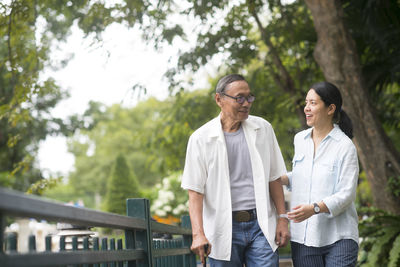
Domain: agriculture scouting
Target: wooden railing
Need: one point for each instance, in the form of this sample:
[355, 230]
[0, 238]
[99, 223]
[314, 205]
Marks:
[140, 249]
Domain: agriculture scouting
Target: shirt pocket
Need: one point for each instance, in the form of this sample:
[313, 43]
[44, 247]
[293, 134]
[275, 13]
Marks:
[298, 165]
[325, 177]
[298, 159]
[299, 182]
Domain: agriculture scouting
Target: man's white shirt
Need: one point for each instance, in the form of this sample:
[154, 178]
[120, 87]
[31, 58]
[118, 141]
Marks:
[207, 172]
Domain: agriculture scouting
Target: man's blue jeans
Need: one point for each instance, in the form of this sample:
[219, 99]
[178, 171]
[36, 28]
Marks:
[249, 247]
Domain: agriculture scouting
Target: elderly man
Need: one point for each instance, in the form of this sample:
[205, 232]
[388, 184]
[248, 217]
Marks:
[232, 169]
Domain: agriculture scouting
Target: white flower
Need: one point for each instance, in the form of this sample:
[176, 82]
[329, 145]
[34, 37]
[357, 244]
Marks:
[161, 213]
[179, 209]
[165, 196]
[167, 208]
[166, 182]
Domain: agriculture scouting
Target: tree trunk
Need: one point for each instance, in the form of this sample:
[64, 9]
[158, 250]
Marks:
[337, 56]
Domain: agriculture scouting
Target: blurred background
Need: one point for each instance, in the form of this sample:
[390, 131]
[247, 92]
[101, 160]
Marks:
[98, 98]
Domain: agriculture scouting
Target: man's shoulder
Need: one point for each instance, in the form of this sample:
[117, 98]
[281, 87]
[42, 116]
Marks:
[258, 121]
[206, 129]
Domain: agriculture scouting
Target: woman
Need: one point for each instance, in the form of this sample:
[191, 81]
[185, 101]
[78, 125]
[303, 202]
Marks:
[324, 223]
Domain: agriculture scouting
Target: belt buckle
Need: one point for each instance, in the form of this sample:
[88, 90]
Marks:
[242, 216]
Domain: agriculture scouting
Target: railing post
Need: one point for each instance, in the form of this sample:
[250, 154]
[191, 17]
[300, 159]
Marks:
[104, 247]
[140, 208]
[2, 228]
[189, 260]
[112, 247]
[158, 260]
[85, 247]
[119, 247]
[75, 246]
[11, 242]
[32, 243]
[96, 248]
[48, 243]
[62, 243]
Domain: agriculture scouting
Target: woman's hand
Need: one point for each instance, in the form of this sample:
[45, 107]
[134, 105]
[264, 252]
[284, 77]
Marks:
[301, 213]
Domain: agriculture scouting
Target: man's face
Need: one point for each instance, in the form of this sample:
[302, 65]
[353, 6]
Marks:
[229, 106]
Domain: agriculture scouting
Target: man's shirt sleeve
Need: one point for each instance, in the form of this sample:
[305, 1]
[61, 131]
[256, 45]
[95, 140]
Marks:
[195, 173]
[277, 163]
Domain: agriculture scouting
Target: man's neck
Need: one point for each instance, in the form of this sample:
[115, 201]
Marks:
[230, 126]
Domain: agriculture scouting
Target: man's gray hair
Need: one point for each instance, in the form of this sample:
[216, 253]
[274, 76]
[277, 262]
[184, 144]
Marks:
[226, 80]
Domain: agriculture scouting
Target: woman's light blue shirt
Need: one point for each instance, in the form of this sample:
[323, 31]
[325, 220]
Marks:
[330, 176]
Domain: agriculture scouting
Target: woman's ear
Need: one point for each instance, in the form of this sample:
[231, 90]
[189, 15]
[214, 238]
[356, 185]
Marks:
[331, 109]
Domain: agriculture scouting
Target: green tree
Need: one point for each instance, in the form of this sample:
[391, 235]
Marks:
[278, 38]
[152, 136]
[122, 184]
[26, 97]
[337, 55]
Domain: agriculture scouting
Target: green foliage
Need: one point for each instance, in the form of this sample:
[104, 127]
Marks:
[394, 185]
[40, 186]
[152, 136]
[122, 184]
[364, 194]
[26, 98]
[64, 192]
[375, 27]
[394, 255]
[380, 232]
[387, 105]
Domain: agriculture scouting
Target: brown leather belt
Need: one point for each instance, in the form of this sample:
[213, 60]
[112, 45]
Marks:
[244, 215]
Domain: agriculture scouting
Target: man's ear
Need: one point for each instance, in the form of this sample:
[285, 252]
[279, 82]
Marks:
[218, 99]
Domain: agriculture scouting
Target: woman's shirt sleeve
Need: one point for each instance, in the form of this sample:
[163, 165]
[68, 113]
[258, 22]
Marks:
[345, 190]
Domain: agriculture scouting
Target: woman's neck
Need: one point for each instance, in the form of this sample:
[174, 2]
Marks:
[319, 132]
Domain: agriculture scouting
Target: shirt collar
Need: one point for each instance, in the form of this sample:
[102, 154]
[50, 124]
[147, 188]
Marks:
[336, 133]
[216, 126]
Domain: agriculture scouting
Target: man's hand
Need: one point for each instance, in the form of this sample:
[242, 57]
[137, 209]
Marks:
[198, 246]
[282, 235]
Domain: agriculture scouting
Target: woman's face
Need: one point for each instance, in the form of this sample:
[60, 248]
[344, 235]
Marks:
[317, 113]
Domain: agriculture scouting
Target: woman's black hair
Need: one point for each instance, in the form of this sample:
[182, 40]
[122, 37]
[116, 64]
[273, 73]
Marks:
[330, 94]
[226, 80]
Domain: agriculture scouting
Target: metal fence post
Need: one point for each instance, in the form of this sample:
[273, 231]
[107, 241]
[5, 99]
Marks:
[140, 208]
[119, 247]
[12, 242]
[48, 243]
[2, 228]
[96, 247]
[189, 260]
[32, 243]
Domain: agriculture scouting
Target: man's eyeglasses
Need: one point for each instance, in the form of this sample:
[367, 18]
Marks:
[241, 99]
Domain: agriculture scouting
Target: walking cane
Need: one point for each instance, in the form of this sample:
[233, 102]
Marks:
[205, 255]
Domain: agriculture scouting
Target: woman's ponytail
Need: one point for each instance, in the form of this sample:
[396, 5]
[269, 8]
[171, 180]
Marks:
[345, 124]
